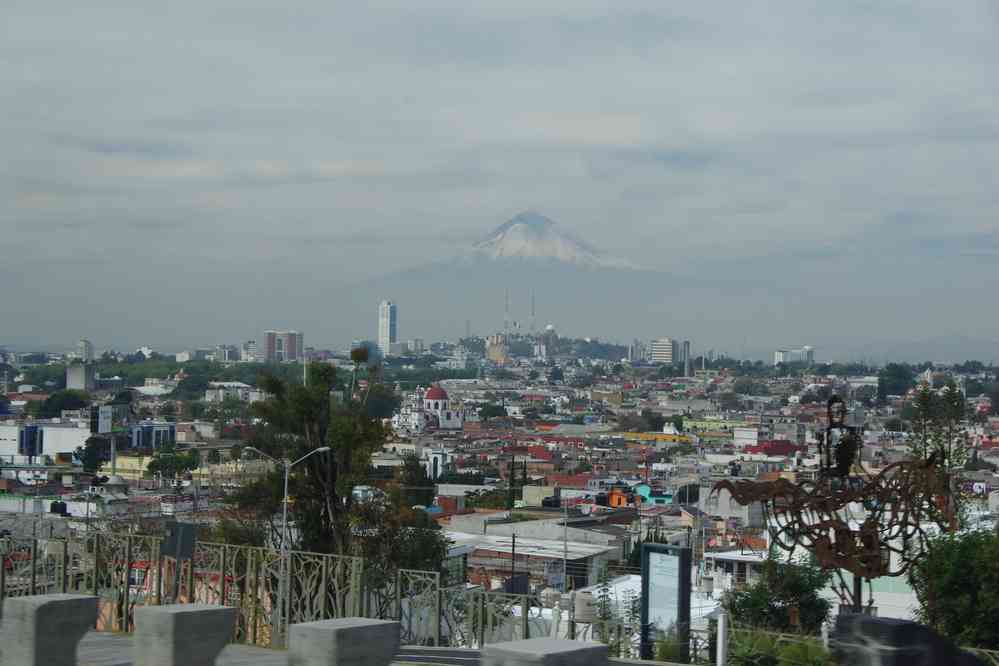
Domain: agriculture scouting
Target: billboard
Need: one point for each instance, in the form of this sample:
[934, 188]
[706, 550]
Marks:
[665, 596]
[106, 419]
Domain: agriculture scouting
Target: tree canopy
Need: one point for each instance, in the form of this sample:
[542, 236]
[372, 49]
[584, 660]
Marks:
[55, 404]
[294, 421]
[957, 584]
[894, 379]
[787, 597]
[491, 411]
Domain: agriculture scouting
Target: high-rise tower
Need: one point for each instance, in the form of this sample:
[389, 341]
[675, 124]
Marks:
[387, 327]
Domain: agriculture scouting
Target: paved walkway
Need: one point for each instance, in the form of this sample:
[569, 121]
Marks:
[105, 649]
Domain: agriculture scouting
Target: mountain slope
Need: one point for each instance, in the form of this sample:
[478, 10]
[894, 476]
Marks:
[532, 236]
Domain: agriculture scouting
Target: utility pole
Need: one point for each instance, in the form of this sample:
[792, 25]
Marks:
[513, 560]
[565, 544]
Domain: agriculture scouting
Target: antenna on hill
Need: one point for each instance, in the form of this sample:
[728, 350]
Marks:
[532, 312]
[506, 313]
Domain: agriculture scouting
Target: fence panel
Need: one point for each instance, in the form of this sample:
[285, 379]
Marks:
[419, 605]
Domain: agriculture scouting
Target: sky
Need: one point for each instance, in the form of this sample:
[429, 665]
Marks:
[193, 173]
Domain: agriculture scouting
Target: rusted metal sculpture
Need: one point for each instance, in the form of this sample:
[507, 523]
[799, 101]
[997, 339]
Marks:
[870, 525]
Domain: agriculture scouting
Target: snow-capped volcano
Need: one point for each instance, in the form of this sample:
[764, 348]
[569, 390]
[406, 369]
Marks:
[531, 235]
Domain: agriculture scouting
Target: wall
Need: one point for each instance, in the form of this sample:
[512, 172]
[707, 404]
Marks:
[8, 439]
[552, 530]
[723, 505]
[63, 440]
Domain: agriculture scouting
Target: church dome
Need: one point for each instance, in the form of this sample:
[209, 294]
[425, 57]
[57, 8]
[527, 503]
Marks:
[435, 393]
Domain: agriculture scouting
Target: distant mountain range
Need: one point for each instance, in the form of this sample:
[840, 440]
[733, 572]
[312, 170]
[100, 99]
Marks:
[584, 291]
[579, 288]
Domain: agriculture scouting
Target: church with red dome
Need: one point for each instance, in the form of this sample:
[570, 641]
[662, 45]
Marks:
[429, 410]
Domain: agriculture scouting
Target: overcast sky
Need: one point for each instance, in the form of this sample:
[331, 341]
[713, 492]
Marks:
[194, 172]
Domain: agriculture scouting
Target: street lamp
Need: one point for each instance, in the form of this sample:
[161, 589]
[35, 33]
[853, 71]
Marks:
[279, 609]
[287, 464]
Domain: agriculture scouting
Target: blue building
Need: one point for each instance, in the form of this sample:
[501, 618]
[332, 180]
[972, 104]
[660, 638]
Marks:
[152, 435]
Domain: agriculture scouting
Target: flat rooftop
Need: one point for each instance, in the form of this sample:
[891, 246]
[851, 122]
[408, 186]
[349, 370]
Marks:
[553, 548]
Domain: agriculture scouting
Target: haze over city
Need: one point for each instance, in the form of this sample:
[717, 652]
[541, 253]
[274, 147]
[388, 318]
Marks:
[813, 172]
[499, 333]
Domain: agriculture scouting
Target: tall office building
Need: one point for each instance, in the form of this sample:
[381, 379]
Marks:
[85, 350]
[81, 377]
[282, 346]
[387, 327]
[638, 352]
[688, 371]
[248, 353]
[664, 350]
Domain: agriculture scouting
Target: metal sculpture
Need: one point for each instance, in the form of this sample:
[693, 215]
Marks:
[870, 525]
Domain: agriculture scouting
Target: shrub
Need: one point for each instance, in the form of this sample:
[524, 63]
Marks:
[957, 584]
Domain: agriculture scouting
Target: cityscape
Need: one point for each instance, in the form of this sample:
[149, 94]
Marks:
[509, 334]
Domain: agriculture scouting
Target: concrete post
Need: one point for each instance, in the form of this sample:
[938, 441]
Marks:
[350, 641]
[544, 652]
[43, 630]
[721, 640]
[182, 634]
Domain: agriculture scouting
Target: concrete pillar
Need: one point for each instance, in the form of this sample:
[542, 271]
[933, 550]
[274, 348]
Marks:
[544, 652]
[182, 634]
[43, 630]
[721, 640]
[349, 641]
[862, 640]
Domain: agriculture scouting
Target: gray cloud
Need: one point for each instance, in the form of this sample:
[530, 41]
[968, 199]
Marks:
[153, 150]
[842, 149]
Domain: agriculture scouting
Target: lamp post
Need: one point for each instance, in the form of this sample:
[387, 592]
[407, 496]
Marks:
[287, 464]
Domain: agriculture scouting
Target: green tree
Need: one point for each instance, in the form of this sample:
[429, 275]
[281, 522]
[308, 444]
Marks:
[956, 582]
[298, 419]
[192, 387]
[495, 498]
[60, 401]
[937, 428]
[392, 536]
[416, 486]
[173, 464]
[91, 454]
[491, 411]
[168, 411]
[194, 409]
[787, 597]
[894, 379]
[382, 402]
